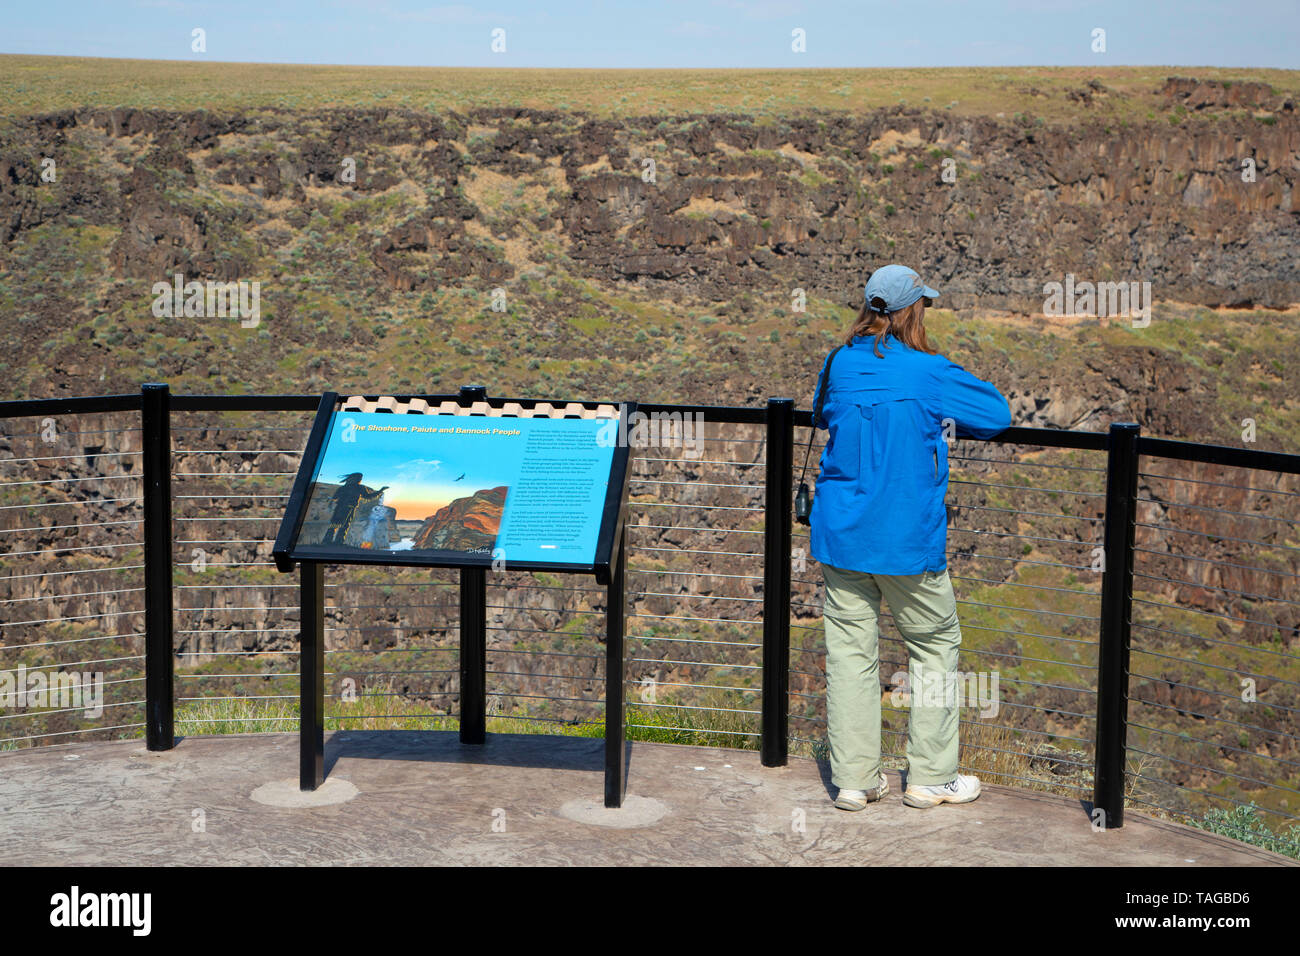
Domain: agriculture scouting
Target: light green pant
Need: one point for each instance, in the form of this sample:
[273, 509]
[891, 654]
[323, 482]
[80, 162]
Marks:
[925, 613]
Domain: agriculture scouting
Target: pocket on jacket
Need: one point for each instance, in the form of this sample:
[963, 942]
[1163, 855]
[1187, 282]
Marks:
[843, 455]
[941, 462]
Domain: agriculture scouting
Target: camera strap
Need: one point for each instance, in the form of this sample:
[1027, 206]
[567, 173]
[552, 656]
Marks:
[822, 384]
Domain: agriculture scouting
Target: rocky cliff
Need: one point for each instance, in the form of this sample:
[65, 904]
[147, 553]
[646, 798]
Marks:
[465, 524]
[409, 248]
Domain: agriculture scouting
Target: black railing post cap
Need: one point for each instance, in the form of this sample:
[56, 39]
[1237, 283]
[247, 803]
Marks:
[1122, 431]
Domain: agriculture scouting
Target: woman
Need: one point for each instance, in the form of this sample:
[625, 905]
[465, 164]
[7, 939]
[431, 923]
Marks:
[879, 529]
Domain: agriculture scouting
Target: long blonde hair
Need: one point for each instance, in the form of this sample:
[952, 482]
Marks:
[907, 325]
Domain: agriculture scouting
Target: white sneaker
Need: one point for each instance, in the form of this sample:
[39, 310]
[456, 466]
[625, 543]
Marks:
[858, 799]
[963, 789]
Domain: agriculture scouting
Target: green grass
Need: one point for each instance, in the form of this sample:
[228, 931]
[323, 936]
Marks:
[37, 84]
[669, 724]
[1246, 824]
[719, 724]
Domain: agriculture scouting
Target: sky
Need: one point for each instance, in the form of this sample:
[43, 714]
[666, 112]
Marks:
[424, 471]
[666, 33]
[420, 470]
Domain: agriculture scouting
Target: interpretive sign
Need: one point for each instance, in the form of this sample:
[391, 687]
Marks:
[460, 482]
[455, 489]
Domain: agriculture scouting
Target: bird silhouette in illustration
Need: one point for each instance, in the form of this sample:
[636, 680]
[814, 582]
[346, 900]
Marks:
[462, 475]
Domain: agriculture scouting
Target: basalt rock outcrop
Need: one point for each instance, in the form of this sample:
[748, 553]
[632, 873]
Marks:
[464, 524]
[810, 201]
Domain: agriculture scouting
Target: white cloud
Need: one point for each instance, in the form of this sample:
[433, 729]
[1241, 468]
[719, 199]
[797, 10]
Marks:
[418, 469]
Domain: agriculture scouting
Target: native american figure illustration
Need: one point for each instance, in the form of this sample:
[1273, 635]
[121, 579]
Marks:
[345, 500]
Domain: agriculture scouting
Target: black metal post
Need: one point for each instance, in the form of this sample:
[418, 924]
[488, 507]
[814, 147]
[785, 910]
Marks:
[1116, 614]
[473, 631]
[472, 393]
[777, 522]
[159, 661]
[311, 714]
[615, 674]
[473, 655]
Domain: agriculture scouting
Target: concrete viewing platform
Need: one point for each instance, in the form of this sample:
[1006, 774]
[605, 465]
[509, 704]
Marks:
[420, 797]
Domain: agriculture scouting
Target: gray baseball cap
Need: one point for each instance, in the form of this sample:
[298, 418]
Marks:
[898, 286]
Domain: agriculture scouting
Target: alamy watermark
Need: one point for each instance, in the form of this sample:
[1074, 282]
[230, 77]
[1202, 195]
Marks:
[683, 430]
[128, 910]
[922, 687]
[208, 300]
[1129, 300]
[66, 690]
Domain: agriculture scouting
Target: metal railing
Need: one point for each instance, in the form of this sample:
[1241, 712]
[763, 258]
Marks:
[1213, 674]
[1119, 614]
[72, 599]
[1024, 540]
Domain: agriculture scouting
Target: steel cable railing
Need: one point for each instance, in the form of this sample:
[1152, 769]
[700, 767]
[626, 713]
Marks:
[1027, 585]
[235, 618]
[1214, 688]
[1213, 610]
[71, 588]
[695, 581]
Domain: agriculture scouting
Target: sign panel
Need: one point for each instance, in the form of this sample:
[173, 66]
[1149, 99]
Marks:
[457, 490]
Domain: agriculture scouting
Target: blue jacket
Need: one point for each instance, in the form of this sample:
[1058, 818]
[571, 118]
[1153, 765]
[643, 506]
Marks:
[879, 501]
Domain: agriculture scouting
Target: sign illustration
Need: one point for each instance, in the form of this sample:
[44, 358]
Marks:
[439, 486]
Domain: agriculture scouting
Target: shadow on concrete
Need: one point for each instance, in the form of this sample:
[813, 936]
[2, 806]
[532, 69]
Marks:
[499, 750]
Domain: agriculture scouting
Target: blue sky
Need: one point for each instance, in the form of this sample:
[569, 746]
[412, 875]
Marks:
[419, 467]
[666, 33]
